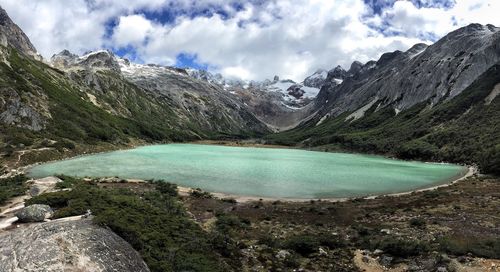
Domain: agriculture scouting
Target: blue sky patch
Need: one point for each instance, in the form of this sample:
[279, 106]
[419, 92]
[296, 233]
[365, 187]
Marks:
[184, 60]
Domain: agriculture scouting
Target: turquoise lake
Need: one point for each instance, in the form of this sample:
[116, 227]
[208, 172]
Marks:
[260, 172]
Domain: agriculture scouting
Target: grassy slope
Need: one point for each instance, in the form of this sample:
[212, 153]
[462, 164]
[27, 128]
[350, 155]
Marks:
[462, 129]
[76, 121]
[74, 117]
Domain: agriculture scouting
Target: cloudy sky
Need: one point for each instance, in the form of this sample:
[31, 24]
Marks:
[248, 39]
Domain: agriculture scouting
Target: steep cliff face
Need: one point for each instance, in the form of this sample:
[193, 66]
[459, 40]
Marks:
[400, 80]
[207, 105]
[12, 35]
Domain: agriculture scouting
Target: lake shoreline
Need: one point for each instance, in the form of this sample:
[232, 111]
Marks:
[184, 190]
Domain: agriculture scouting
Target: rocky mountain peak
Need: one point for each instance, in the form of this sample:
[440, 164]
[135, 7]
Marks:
[102, 59]
[356, 66]
[317, 79]
[64, 59]
[472, 30]
[422, 73]
[12, 35]
[337, 74]
[387, 57]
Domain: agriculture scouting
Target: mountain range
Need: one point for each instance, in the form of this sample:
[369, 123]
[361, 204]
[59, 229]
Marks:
[431, 102]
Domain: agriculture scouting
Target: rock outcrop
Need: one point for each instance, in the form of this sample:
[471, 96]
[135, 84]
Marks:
[400, 80]
[317, 79]
[76, 245]
[12, 35]
[34, 213]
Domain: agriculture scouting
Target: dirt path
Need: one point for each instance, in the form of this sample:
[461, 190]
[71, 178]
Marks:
[23, 152]
[7, 211]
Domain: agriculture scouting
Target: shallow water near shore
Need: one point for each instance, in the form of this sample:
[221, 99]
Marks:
[261, 172]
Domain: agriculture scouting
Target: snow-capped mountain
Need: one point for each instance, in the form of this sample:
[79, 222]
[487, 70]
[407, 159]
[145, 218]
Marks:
[293, 94]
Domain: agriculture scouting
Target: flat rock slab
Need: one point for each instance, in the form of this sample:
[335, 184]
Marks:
[62, 245]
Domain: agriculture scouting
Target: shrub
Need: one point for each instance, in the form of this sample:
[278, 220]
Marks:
[198, 193]
[456, 244]
[67, 182]
[166, 188]
[229, 200]
[227, 222]
[490, 161]
[268, 240]
[417, 149]
[303, 244]
[154, 223]
[12, 187]
[64, 144]
[417, 222]
[401, 248]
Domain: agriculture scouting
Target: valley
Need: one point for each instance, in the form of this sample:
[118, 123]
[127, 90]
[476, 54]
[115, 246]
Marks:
[318, 174]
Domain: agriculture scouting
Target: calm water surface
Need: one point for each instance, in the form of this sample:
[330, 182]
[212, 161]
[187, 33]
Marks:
[263, 172]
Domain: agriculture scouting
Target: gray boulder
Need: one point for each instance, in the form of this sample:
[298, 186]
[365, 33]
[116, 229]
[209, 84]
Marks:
[34, 213]
[76, 245]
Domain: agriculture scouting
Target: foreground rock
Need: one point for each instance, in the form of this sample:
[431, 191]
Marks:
[34, 213]
[76, 245]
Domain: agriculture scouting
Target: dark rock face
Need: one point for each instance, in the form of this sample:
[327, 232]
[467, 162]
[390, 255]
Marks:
[356, 66]
[67, 246]
[317, 79]
[12, 35]
[34, 213]
[296, 91]
[336, 73]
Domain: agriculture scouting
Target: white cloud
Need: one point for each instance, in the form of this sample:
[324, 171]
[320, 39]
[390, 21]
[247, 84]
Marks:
[132, 30]
[291, 42]
[288, 38]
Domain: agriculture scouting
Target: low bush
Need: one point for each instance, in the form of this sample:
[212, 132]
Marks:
[401, 248]
[456, 244]
[198, 193]
[226, 222]
[303, 244]
[154, 223]
[12, 187]
[417, 222]
[67, 182]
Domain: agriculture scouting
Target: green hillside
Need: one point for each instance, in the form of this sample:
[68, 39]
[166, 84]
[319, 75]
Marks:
[464, 129]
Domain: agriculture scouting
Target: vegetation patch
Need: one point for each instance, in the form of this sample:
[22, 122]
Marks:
[12, 187]
[153, 222]
[460, 245]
